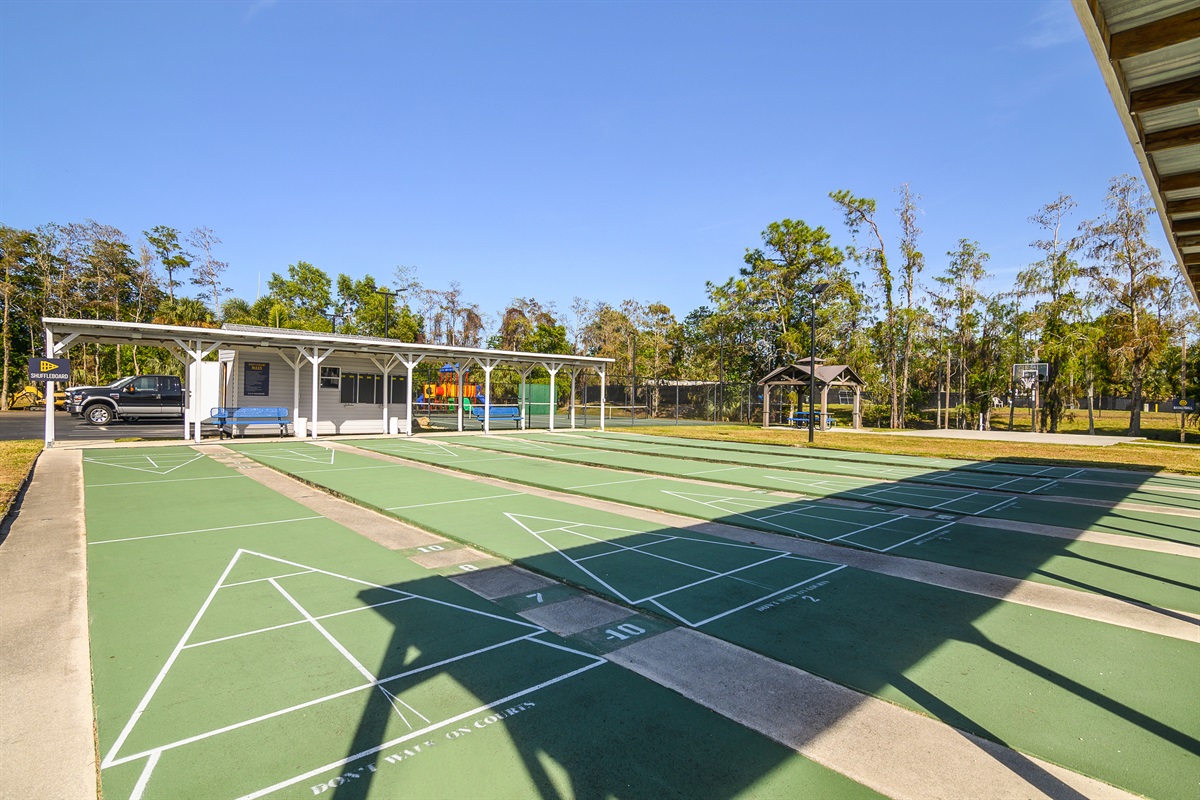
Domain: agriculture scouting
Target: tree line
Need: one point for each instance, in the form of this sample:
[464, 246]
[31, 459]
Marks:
[1098, 305]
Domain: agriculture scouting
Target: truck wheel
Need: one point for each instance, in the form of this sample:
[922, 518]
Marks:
[98, 414]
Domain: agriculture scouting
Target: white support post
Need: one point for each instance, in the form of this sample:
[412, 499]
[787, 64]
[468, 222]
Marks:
[857, 406]
[523, 397]
[49, 427]
[53, 350]
[197, 353]
[487, 364]
[294, 363]
[460, 372]
[553, 392]
[408, 361]
[386, 368]
[574, 374]
[315, 358]
[603, 391]
[766, 406]
[824, 407]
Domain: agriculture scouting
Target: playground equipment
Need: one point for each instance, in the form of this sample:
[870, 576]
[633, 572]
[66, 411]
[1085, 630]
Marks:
[443, 395]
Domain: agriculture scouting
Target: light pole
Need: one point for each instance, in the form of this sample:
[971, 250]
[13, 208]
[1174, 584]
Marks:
[386, 308]
[817, 290]
[333, 317]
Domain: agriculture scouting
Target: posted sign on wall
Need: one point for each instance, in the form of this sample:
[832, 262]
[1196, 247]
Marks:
[257, 381]
[49, 369]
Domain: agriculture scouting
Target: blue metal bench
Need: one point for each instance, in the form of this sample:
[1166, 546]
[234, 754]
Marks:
[498, 413]
[227, 418]
[801, 419]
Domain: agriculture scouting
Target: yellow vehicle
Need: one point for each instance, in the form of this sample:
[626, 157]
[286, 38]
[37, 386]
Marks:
[32, 398]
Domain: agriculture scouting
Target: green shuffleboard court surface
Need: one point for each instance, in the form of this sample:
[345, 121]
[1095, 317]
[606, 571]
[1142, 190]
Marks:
[244, 647]
[966, 479]
[1117, 704]
[1140, 478]
[1159, 579]
[939, 499]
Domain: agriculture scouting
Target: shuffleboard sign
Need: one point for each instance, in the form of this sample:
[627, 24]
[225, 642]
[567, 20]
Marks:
[49, 369]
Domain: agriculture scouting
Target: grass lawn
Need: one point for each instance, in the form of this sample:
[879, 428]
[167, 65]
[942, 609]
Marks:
[16, 459]
[1128, 456]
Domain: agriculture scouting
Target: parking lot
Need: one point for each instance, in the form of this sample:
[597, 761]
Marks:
[32, 425]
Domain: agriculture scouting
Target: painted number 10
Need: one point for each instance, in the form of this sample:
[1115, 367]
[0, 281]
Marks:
[623, 632]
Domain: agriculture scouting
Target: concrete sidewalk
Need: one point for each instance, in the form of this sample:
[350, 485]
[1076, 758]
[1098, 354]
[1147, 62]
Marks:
[45, 668]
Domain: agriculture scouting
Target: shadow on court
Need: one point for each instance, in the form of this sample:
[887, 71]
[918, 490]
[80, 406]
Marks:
[605, 733]
[1106, 701]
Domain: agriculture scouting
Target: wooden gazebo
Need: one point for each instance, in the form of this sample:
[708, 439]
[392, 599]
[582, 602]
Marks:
[799, 375]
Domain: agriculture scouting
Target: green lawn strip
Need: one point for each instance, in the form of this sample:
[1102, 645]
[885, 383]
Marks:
[940, 499]
[502, 737]
[1117, 704]
[800, 460]
[1158, 579]
[1140, 478]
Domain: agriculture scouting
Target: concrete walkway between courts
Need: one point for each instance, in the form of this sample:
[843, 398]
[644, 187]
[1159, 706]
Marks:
[45, 668]
[1025, 437]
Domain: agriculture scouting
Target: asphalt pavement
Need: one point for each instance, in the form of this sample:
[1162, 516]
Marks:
[32, 425]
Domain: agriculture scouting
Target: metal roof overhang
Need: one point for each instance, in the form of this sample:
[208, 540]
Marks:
[1149, 55]
[111, 332]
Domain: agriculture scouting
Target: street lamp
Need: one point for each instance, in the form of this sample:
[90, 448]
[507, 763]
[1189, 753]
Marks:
[816, 291]
[333, 317]
[386, 308]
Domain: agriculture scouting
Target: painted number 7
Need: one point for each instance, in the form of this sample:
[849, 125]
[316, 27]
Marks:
[537, 596]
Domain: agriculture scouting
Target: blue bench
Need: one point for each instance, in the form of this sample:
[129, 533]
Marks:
[498, 413]
[227, 418]
[801, 419]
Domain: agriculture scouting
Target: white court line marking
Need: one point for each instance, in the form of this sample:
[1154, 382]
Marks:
[170, 480]
[366, 673]
[301, 456]
[579, 566]
[914, 538]
[109, 761]
[308, 703]
[714, 577]
[607, 483]
[869, 527]
[419, 445]
[162, 673]
[140, 787]
[272, 577]
[291, 624]
[721, 469]
[766, 597]
[992, 507]
[204, 530]
[425, 730]
[1070, 474]
[156, 469]
[448, 502]
[629, 547]
[1049, 485]
[347, 469]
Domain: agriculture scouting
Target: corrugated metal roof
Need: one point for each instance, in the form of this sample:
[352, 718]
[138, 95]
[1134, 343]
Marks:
[1149, 55]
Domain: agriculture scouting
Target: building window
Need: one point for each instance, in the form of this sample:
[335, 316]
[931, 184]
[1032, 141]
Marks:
[330, 377]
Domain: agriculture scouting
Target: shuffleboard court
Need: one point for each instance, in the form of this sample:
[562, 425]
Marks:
[967, 479]
[1140, 478]
[1159, 579]
[1117, 704]
[297, 659]
[945, 500]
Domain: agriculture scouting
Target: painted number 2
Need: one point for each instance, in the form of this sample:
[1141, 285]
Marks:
[623, 632]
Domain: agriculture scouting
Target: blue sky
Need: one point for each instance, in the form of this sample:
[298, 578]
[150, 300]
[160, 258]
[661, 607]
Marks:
[548, 149]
